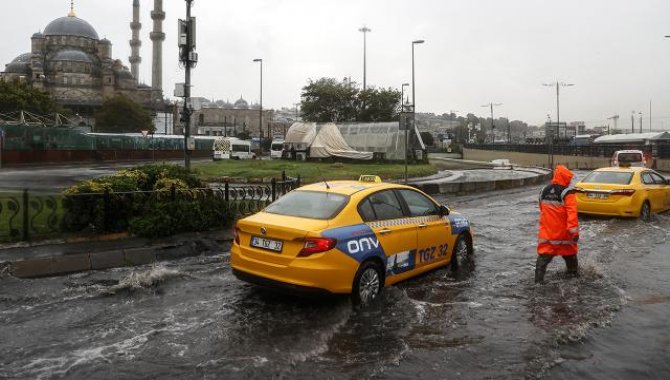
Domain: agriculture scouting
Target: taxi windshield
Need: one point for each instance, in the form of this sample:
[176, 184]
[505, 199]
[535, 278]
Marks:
[309, 204]
[614, 178]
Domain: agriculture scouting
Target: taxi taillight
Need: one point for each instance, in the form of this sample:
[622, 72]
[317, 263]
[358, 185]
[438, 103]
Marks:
[624, 192]
[236, 235]
[316, 245]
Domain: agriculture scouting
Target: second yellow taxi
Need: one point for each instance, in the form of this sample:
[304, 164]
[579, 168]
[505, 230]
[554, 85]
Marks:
[623, 191]
[351, 237]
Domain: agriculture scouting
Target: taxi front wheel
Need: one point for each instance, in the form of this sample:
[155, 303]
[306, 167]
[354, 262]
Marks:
[461, 258]
[368, 283]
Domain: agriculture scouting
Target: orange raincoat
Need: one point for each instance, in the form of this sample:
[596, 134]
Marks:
[559, 225]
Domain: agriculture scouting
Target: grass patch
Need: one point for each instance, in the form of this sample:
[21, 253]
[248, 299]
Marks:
[255, 170]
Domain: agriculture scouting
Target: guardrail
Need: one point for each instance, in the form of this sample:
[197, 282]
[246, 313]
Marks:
[30, 215]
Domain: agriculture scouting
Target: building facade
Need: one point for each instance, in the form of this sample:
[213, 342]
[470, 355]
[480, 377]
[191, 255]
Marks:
[70, 61]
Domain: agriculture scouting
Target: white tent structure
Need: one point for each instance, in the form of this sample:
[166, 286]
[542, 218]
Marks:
[352, 140]
[322, 141]
[633, 138]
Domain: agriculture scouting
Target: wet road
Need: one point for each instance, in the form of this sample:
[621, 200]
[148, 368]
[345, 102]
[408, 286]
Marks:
[193, 319]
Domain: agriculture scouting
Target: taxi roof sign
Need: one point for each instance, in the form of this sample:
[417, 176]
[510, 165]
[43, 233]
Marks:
[370, 178]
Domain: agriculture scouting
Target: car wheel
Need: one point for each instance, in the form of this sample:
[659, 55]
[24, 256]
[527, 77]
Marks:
[461, 257]
[645, 211]
[368, 283]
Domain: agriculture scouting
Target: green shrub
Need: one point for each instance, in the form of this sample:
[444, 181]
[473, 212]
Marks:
[164, 218]
[85, 206]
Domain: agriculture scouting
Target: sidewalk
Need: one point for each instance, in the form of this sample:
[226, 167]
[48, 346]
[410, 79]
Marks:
[58, 257]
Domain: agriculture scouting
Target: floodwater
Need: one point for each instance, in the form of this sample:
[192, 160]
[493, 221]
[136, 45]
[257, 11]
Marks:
[192, 318]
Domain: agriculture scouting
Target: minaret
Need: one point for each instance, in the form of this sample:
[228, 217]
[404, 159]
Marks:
[135, 43]
[157, 37]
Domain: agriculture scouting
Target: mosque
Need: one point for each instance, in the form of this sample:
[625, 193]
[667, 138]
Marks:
[70, 61]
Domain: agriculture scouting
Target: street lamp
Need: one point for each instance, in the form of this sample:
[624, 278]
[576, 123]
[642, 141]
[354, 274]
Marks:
[260, 112]
[415, 42]
[558, 115]
[365, 31]
[402, 97]
[493, 126]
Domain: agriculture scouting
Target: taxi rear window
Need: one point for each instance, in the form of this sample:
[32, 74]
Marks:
[614, 178]
[629, 157]
[309, 204]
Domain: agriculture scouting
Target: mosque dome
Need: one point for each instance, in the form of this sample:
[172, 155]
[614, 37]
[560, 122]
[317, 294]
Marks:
[20, 64]
[72, 55]
[70, 26]
[241, 104]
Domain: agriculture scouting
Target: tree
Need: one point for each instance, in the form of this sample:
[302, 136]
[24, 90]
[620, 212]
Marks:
[19, 96]
[378, 105]
[327, 100]
[120, 114]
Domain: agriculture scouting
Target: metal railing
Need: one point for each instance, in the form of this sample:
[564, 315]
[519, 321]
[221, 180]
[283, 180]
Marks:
[30, 215]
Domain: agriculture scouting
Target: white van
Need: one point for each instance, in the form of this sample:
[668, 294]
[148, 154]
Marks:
[628, 158]
[226, 148]
[276, 148]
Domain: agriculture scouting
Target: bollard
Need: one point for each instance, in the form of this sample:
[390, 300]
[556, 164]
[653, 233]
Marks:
[283, 175]
[226, 188]
[274, 189]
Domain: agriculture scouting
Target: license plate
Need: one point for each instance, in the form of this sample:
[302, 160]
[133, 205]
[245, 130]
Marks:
[272, 245]
[597, 195]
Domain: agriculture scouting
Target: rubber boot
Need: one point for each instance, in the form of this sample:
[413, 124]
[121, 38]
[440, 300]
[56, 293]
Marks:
[541, 267]
[573, 266]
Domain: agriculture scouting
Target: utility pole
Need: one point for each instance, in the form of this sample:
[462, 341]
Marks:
[493, 126]
[189, 59]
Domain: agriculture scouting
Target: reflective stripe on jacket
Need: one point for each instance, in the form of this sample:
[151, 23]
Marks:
[558, 216]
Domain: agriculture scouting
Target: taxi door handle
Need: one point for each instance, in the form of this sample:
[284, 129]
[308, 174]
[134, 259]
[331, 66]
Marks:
[385, 231]
[422, 225]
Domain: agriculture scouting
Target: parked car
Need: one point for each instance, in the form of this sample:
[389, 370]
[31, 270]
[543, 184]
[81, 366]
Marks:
[351, 237]
[625, 192]
[628, 158]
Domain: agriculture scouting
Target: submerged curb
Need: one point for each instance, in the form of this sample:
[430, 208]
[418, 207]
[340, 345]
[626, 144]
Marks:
[169, 249]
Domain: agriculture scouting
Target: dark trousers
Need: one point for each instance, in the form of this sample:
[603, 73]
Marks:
[544, 260]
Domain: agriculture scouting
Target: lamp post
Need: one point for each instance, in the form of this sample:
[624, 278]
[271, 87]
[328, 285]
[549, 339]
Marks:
[365, 31]
[493, 126]
[558, 114]
[260, 112]
[415, 42]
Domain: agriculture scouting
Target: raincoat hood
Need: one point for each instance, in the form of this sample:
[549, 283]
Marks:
[562, 176]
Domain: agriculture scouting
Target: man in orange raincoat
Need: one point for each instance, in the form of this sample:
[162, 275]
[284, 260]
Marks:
[559, 225]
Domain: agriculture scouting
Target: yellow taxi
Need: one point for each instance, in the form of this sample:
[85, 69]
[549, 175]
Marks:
[623, 191]
[348, 237]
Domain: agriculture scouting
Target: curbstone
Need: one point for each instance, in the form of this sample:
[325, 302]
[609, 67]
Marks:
[107, 259]
[70, 264]
[39, 267]
[139, 256]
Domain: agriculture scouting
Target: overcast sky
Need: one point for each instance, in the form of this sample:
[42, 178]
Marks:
[476, 51]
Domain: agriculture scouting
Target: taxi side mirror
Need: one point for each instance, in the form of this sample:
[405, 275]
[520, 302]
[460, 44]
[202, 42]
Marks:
[444, 210]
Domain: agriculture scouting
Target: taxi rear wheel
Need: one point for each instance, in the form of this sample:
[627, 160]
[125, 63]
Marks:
[368, 283]
[645, 212]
